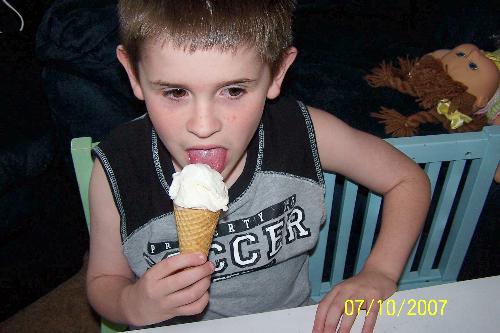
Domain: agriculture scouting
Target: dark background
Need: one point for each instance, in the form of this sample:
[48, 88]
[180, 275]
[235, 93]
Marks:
[65, 82]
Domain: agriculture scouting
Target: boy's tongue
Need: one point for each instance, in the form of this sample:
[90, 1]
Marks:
[215, 157]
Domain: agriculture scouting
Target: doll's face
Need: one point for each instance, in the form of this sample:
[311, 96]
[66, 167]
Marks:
[468, 65]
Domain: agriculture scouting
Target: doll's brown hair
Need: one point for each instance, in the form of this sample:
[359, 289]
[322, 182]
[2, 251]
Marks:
[427, 80]
[204, 24]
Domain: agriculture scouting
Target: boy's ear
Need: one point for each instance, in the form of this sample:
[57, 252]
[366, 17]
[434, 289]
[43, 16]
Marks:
[123, 58]
[286, 61]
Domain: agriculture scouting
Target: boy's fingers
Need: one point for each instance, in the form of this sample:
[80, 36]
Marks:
[185, 278]
[195, 307]
[346, 323]
[370, 321]
[174, 264]
[321, 312]
[189, 294]
[328, 314]
[333, 318]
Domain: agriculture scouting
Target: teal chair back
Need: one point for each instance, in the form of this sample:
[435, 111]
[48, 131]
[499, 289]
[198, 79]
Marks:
[461, 169]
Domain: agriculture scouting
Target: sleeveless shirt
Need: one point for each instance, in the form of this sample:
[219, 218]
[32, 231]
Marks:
[260, 248]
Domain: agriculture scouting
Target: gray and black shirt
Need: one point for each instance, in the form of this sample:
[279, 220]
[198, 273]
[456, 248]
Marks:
[261, 245]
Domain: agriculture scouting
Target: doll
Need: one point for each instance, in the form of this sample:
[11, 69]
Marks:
[457, 88]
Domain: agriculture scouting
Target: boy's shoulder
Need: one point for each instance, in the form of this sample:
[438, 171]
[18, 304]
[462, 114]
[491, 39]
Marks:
[286, 115]
[285, 107]
[137, 125]
[131, 129]
[128, 137]
[290, 137]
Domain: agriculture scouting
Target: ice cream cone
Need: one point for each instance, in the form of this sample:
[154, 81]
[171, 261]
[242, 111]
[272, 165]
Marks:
[195, 228]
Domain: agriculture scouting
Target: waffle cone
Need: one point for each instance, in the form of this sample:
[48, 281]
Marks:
[195, 228]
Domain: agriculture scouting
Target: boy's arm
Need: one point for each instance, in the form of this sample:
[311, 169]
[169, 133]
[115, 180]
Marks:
[377, 165]
[175, 286]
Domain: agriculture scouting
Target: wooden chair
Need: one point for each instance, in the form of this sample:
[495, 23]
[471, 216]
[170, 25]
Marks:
[461, 168]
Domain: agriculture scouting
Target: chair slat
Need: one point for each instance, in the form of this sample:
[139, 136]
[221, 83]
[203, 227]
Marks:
[370, 219]
[317, 259]
[343, 231]
[466, 217]
[432, 170]
[441, 214]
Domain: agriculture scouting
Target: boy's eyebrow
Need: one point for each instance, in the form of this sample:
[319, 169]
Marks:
[162, 83]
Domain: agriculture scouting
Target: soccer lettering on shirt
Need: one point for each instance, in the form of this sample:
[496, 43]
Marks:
[251, 243]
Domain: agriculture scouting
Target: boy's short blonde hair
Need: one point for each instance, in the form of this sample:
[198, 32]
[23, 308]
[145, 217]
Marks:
[194, 25]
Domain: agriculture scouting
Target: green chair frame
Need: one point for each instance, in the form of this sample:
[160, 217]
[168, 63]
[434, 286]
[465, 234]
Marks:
[460, 167]
[83, 163]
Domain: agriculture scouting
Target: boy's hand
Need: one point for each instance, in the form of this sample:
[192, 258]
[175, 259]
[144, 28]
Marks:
[367, 286]
[176, 286]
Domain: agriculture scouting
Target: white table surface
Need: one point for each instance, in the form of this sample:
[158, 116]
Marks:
[472, 306]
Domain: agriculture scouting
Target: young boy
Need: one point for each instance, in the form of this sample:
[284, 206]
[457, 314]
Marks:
[210, 74]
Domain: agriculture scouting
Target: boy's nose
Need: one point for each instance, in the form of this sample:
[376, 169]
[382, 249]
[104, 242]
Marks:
[204, 122]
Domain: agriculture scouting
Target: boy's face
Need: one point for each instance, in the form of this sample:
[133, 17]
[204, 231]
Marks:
[207, 105]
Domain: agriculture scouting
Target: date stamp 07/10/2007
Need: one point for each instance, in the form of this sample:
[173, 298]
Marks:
[392, 308]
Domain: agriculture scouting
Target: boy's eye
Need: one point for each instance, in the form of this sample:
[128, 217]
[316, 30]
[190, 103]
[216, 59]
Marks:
[233, 92]
[473, 66]
[175, 93]
[460, 54]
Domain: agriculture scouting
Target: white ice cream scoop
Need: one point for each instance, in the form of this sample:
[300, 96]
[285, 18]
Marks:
[200, 187]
